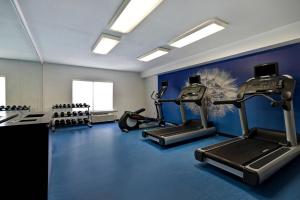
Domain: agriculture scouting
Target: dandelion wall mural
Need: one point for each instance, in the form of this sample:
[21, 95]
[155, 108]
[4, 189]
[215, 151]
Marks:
[222, 79]
[220, 85]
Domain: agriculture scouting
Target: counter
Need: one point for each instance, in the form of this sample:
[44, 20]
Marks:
[25, 149]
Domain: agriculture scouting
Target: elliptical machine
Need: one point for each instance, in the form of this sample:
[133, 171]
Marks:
[133, 120]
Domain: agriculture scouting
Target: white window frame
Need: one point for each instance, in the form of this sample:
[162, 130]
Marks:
[93, 103]
[5, 96]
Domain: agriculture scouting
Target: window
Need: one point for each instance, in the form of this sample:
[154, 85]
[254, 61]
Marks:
[99, 95]
[2, 91]
[103, 96]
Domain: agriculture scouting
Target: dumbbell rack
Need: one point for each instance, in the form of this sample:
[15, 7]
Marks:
[14, 108]
[71, 117]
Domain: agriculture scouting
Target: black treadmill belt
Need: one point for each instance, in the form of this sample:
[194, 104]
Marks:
[220, 144]
[242, 152]
[183, 130]
[172, 131]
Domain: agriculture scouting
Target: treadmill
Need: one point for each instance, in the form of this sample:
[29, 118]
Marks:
[258, 153]
[193, 93]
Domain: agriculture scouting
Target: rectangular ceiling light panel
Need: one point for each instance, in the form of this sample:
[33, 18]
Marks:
[105, 44]
[153, 54]
[207, 28]
[131, 13]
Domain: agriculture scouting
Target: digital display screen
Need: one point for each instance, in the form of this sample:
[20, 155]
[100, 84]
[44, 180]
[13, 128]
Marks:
[164, 83]
[195, 79]
[270, 69]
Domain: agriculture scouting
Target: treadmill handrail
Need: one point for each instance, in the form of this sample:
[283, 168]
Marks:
[236, 101]
[220, 102]
[167, 100]
[190, 100]
[178, 100]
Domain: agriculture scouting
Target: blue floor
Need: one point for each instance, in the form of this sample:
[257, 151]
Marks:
[104, 163]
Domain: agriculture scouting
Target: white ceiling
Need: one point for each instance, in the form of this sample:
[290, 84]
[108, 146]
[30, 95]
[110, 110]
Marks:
[65, 30]
[14, 43]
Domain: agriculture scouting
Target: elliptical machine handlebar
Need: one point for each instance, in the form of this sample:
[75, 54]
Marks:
[154, 98]
[178, 101]
[139, 111]
[157, 95]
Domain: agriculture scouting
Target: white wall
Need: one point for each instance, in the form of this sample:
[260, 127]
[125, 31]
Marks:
[151, 84]
[23, 82]
[57, 87]
[30, 83]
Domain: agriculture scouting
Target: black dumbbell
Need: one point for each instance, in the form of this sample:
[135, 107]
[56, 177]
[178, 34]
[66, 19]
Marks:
[56, 122]
[25, 107]
[2, 107]
[80, 113]
[19, 108]
[55, 114]
[64, 105]
[60, 106]
[69, 113]
[73, 105]
[7, 108]
[62, 122]
[80, 105]
[86, 120]
[62, 114]
[80, 121]
[68, 105]
[73, 121]
[77, 105]
[68, 121]
[14, 107]
[86, 112]
[85, 105]
[74, 113]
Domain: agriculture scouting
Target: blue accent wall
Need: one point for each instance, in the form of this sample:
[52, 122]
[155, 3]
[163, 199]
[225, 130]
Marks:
[259, 111]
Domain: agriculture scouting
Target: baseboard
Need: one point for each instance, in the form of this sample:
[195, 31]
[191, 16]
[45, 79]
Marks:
[104, 122]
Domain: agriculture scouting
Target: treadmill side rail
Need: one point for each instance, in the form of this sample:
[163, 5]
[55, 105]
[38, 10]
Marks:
[275, 160]
[225, 167]
[153, 138]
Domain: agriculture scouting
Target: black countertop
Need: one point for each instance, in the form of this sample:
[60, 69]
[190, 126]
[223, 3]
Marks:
[15, 118]
[26, 154]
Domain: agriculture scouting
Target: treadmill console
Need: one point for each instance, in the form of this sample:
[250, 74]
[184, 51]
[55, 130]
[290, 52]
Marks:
[194, 92]
[194, 79]
[264, 86]
[269, 69]
[267, 81]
